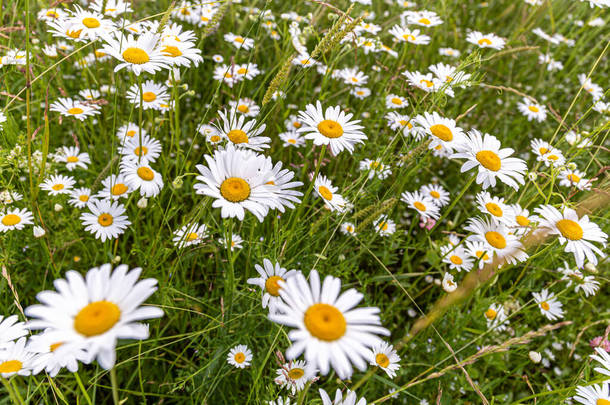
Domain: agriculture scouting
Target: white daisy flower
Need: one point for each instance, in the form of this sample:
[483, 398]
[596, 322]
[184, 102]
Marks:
[80, 197]
[129, 131]
[190, 234]
[496, 239]
[384, 226]
[448, 283]
[549, 306]
[74, 108]
[495, 207]
[496, 318]
[106, 219]
[270, 276]
[575, 233]
[442, 131]
[326, 325]
[138, 54]
[456, 257]
[239, 42]
[350, 398]
[532, 110]
[180, 53]
[235, 242]
[480, 252]
[52, 354]
[292, 138]
[374, 168]
[113, 8]
[587, 284]
[72, 157]
[348, 228]
[332, 127]
[10, 330]
[328, 193]
[240, 356]
[140, 176]
[421, 203]
[603, 358]
[15, 218]
[114, 187]
[245, 106]
[454, 53]
[154, 96]
[596, 394]
[384, 356]
[394, 101]
[293, 376]
[437, 193]
[423, 18]
[242, 133]
[403, 34]
[91, 24]
[58, 184]
[485, 40]
[141, 151]
[574, 178]
[523, 220]
[15, 358]
[95, 311]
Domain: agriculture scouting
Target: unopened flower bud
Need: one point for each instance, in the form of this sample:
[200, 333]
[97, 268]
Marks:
[38, 232]
[58, 207]
[142, 203]
[535, 357]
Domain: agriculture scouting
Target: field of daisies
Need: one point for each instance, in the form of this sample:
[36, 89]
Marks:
[328, 202]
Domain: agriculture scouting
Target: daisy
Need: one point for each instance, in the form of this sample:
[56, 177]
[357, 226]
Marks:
[293, 122]
[456, 257]
[114, 8]
[384, 356]
[532, 110]
[374, 168]
[485, 40]
[426, 82]
[479, 252]
[140, 176]
[398, 121]
[138, 54]
[154, 96]
[523, 220]
[52, 354]
[360, 92]
[328, 193]
[270, 276]
[423, 18]
[442, 131]
[10, 329]
[89, 94]
[449, 74]
[326, 325]
[58, 184]
[448, 283]
[353, 77]
[484, 152]
[331, 127]
[496, 318]
[587, 284]
[242, 133]
[238, 181]
[350, 398]
[235, 243]
[106, 219]
[604, 359]
[293, 376]
[74, 108]
[142, 151]
[247, 71]
[496, 239]
[347, 228]
[596, 394]
[595, 90]
[190, 234]
[51, 14]
[114, 187]
[574, 178]
[454, 53]
[281, 180]
[181, 53]
[394, 101]
[292, 138]
[575, 233]
[421, 203]
[15, 358]
[403, 34]
[128, 131]
[239, 42]
[80, 197]
[240, 356]
[90, 24]
[62, 27]
[15, 219]
[495, 207]
[72, 157]
[437, 193]
[549, 306]
[384, 226]
[245, 106]
[97, 310]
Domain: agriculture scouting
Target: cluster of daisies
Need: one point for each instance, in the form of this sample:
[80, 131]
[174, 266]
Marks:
[80, 321]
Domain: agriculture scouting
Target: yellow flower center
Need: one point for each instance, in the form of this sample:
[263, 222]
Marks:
[428, 83]
[354, 79]
[11, 219]
[350, 228]
[602, 401]
[242, 108]
[435, 194]
[140, 151]
[75, 110]
[545, 305]
[58, 187]
[228, 75]
[136, 56]
[543, 150]
[456, 260]
[330, 129]
[72, 159]
[83, 198]
[239, 40]
[96, 318]
[131, 133]
[533, 108]
[149, 96]
[374, 165]
[292, 141]
[242, 71]
[552, 157]
[408, 37]
[489, 160]
[52, 14]
[484, 41]
[296, 373]
[383, 226]
[214, 138]
[442, 132]
[237, 136]
[235, 189]
[272, 286]
[191, 237]
[172, 51]
[523, 221]
[145, 173]
[494, 209]
[419, 206]
[118, 189]
[105, 220]
[74, 34]
[325, 322]
[91, 22]
[573, 178]
[490, 314]
[325, 193]
[239, 357]
[482, 255]
[396, 100]
[495, 239]
[570, 229]
[296, 124]
[424, 21]
[382, 360]
[10, 366]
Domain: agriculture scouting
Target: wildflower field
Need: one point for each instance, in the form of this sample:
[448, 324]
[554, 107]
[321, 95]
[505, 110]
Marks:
[304, 202]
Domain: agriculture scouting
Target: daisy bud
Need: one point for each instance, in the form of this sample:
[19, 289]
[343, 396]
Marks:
[142, 202]
[428, 279]
[190, 93]
[411, 312]
[58, 207]
[571, 166]
[117, 259]
[535, 357]
[38, 232]
[177, 183]
[532, 176]
[590, 267]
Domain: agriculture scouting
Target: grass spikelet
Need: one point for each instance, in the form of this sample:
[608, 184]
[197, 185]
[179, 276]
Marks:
[278, 80]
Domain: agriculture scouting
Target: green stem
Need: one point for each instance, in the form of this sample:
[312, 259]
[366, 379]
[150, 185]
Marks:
[303, 393]
[16, 392]
[8, 388]
[455, 201]
[115, 388]
[82, 388]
